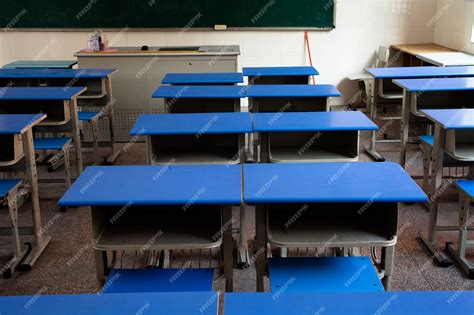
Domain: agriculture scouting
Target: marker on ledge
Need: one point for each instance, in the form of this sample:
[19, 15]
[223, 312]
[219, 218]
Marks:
[220, 27]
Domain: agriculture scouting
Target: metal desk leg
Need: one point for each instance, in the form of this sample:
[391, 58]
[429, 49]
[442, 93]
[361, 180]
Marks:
[260, 245]
[228, 249]
[459, 253]
[76, 134]
[404, 126]
[436, 182]
[373, 137]
[110, 103]
[41, 241]
[388, 264]
[100, 267]
[95, 138]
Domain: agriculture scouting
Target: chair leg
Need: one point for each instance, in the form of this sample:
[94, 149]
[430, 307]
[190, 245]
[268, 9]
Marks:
[95, 137]
[67, 166]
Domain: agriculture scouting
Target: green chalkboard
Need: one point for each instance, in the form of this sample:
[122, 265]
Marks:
[182, 14]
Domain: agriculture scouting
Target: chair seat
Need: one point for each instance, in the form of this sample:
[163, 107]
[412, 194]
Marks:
[87, 116]
[51, 143]
[467, 186]
[324, 274]
[391, 95]
[7, 185]
[429, 140]
[159, 280]
[360, 77]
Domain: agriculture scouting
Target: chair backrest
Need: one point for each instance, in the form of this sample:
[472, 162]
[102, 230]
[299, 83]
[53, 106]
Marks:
[383, 56]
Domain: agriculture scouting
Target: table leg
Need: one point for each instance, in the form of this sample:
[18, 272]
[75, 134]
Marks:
[41, 241]
[100, 266]
[436, 183]
[260, 245]
[110, 103]
[76, 135]
[373, 115]
[404, 126]
[228, 248]
[388, 264]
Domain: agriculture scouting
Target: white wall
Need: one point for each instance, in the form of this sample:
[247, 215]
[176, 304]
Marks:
[361, 26]
[454, 23]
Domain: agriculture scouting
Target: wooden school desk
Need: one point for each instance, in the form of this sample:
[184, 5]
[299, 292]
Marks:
[310, 137]
[41, 64]
[175, 206]
[334, 194]
[200, 98]
[383, 78]
[453, 138]
[98, 95]
[432, 93]
[189, 303]
[290, 98]
[10, 157]
[337, 303]
[410, 51]
[219, 78]
[447, 59]
[200, 138]
[59, 104]
[279, 75]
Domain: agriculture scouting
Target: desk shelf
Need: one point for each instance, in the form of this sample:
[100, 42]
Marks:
[57, 114]
[192, 149]
[11, 149]
[289, 104]
[460, 144]
[202, 105]
[156, 228]
[339, 225]
[303, 147]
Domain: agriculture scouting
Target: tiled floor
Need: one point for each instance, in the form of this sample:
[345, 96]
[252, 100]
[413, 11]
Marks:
[67, 265]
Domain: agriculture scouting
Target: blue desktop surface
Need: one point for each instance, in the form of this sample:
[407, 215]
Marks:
[200, 91]
[279, 71]
[18, 123]
[386, 303]
[199, 123]
[438, 84]
[203, 78]
[420, 72]
[40, 93]
[160, 280]
[156, 185]
[312, 121]
[184, 303]
[452, 118]
[329, 182]
[292, 90]
[323, 274]
[55, 73]
[42, 64]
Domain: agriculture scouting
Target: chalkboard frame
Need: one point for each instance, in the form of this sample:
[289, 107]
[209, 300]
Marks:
[333, 3]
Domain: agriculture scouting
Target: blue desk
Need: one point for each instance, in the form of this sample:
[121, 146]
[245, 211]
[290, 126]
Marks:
[431, 94]
[185, 202]
[279, 75]
[8, 73]
[323, 274]
[201, 98]
[226, 78]
[154, 280]
[420, 72]
[16, 145]
[311, 136]
[191, 303]
[202, 138]
[453, 134]
[41, 64]
[384, 91]
[387, 303]
[340, 189]
[294, 98]
[98, 94]
[59, 104]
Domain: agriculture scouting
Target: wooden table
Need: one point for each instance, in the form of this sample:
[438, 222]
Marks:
[410, 52]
